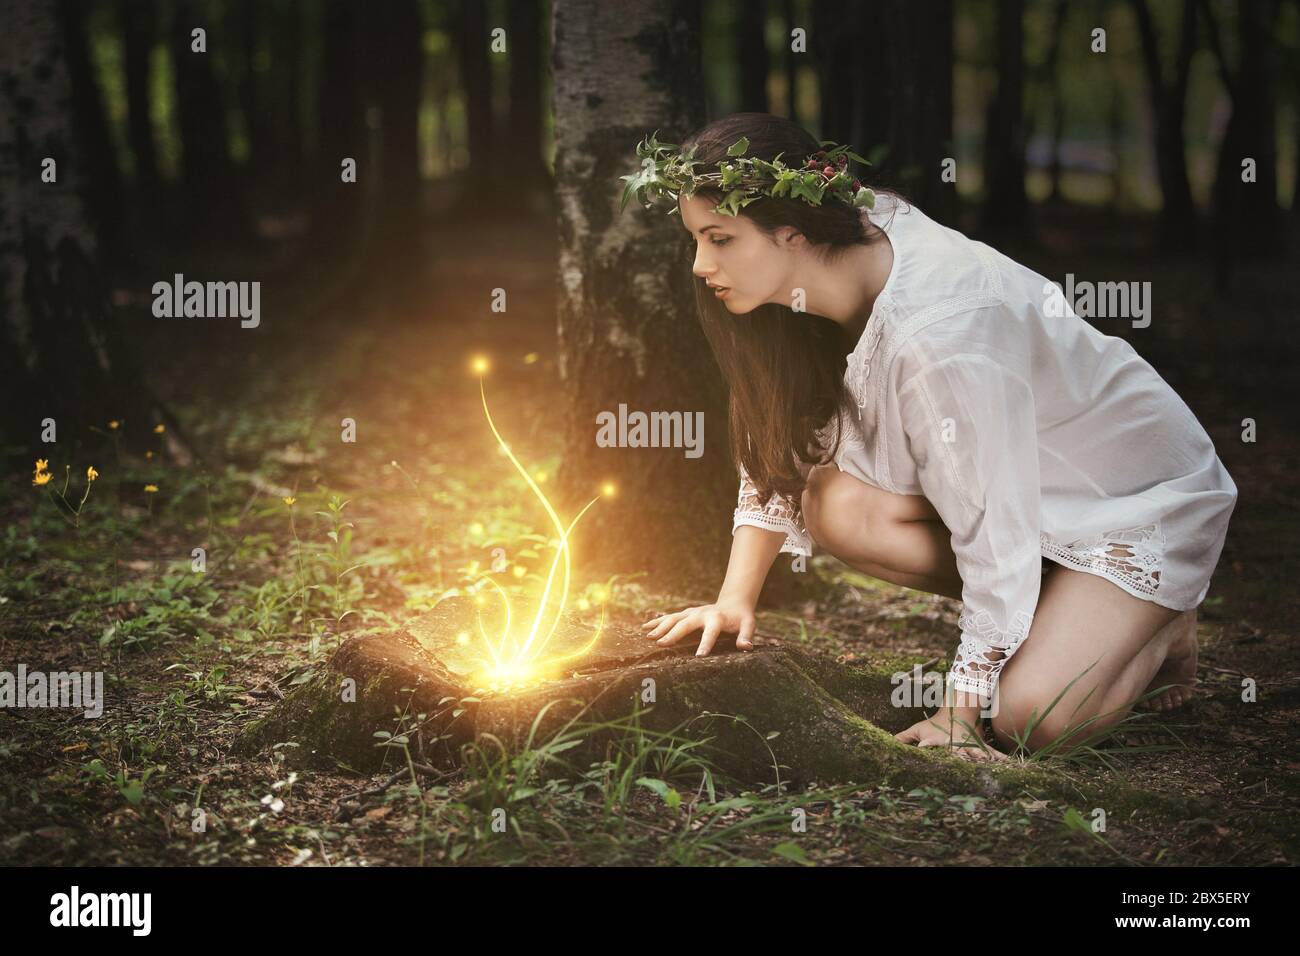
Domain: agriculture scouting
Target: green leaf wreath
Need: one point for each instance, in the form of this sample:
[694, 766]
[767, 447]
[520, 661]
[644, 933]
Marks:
[666, 172]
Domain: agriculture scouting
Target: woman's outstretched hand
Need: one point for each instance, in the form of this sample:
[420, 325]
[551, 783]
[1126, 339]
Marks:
[946, 729]
[730, 616]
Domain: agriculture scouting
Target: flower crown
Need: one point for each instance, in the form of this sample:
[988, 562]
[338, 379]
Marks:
[666, 172]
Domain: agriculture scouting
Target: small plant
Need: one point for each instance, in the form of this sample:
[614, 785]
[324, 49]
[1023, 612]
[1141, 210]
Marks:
[131, 788]
[42, 478]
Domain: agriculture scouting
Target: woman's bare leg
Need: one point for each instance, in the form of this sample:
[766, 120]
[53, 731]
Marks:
[895, 538]
[1081, 619]
[1084, 627]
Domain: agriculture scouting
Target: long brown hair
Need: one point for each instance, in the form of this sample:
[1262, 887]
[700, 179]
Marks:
[784, 370]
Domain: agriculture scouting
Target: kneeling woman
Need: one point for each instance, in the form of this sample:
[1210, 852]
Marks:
[913, 402]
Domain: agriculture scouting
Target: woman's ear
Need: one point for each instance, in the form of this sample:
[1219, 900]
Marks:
[788, 237]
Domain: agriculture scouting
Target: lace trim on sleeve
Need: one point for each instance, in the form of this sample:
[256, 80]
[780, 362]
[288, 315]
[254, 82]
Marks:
[780, 514]
[984, 650]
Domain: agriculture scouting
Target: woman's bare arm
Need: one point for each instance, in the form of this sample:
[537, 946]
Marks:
[753, 552]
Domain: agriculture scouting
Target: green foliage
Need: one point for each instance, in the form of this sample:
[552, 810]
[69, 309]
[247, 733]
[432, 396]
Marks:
[667, 173]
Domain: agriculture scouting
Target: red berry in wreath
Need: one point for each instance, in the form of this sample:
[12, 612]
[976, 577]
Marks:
[829, 171]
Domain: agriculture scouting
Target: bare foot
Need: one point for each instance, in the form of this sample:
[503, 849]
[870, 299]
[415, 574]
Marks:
[1179, 668]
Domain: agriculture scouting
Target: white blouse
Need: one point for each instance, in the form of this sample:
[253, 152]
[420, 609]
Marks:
[1030, 432]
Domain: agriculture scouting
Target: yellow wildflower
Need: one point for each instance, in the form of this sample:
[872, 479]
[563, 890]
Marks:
[150, 489]
[290, 500]
[91, 473]
[159, 429]
[42, 464]
[114, 423]
[42, 478]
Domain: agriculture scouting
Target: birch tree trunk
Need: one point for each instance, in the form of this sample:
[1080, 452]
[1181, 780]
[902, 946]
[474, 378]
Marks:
[628, 329]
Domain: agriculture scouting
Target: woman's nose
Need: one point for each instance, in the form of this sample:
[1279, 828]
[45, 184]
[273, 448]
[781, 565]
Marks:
[702, 268]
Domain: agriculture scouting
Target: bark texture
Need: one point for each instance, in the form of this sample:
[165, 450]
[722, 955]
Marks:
[628, 330]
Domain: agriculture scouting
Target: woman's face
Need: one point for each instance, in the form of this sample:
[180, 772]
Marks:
[731, 252]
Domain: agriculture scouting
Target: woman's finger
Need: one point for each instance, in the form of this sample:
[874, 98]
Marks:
[745, 639]
[659, 618]
[654, 618]
[712, 626]
[908, 736]
[679, 630]
[666, 622]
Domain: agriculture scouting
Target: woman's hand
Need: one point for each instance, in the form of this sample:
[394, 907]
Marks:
[947, 728]
[725, 615]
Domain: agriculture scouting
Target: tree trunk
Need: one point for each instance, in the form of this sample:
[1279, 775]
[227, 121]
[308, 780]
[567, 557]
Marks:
[394, 67]
[1053, 69]
[792, 60]
[1178, 221]
[752, 36]
[1258, 104]
[628, 328]
[102, 180]
[1006, 207]
[906, 104]
[525, 51]
[476, 82]
[1245, 215]
[64, 357]
[832, 43]
[205, 162]
[342, 130]
[139, 30]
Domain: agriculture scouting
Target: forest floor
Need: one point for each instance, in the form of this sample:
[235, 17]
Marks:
[189, 659]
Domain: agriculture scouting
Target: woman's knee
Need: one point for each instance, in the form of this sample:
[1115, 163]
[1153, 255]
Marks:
[839, 511]
[1034, 717]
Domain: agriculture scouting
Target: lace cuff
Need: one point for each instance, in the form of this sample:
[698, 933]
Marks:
[780, 514]
[984, 651]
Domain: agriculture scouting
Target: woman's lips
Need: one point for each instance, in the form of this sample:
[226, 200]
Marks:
[721, 291]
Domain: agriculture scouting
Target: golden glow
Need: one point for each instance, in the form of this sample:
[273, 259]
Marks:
[516, 657]
[479, 364]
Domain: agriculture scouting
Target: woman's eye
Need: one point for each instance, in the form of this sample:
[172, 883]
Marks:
[720, 242]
